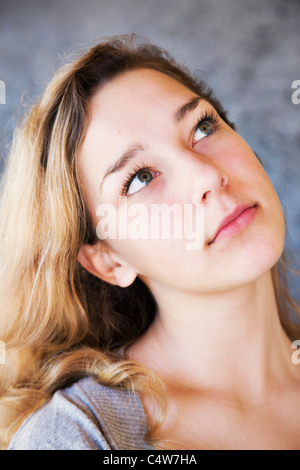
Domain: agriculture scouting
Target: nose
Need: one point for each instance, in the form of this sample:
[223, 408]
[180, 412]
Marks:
[207, 181]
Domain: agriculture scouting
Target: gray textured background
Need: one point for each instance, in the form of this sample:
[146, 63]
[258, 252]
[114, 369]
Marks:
[248, 49]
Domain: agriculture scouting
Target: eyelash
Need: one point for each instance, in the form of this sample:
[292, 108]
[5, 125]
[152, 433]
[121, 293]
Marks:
[210, 116]
[131, 175]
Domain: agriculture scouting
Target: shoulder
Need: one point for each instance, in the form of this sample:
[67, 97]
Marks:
[85, 416]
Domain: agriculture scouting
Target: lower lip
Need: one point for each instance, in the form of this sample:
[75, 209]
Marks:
[238, 224]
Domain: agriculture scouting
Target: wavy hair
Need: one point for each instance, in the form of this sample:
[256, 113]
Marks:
[59, 322]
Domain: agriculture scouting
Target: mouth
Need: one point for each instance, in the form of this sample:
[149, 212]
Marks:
[233, 223]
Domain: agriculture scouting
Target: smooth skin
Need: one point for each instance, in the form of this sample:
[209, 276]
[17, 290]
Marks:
[216, 342]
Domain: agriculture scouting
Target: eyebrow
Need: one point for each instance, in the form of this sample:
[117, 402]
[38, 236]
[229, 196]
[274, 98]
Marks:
[125, 158]
[133, 150]
[186, 108]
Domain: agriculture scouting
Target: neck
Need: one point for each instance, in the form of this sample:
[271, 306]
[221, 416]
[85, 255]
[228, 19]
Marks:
[231, 341]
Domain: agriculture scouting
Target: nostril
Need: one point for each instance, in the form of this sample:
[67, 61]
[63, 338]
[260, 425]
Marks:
[224, 181]
[205, 195]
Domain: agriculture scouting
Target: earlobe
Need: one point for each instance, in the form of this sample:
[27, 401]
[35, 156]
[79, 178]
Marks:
[124, 276]
[101, 263]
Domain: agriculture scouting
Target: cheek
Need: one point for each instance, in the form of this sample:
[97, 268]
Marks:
[240, 160]
[166, 262]
[154, 259]
[246, 174]
[155, 239]
[260, 188]
[160, 246]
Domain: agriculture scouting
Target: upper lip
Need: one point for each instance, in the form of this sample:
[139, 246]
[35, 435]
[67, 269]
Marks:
[231, 217]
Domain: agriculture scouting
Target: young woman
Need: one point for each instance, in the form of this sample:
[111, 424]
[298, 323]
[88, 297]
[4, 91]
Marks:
[128, 342]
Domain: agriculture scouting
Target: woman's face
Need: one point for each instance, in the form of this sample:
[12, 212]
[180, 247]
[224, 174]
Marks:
[192, 159]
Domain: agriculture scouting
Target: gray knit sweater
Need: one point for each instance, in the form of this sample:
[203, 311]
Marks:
[85, 416]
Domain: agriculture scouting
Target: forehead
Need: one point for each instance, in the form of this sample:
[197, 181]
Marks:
[134, 94]
[130, 107]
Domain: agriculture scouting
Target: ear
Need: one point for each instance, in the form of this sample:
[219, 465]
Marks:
[103, 263]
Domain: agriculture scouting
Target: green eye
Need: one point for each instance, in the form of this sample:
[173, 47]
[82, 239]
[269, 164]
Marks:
[141, 179]
[144, 176]
[204, 127]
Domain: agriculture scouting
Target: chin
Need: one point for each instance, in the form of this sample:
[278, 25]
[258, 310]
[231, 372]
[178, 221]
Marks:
[261, 259]
[252, 256]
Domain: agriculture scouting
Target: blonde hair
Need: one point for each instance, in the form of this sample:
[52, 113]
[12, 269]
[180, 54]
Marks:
[58, 322]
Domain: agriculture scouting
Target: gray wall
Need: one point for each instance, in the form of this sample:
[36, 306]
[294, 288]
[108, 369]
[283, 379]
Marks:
[249, 50]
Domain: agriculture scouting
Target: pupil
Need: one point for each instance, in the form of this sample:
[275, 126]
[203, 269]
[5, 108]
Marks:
[206, 128]
[145, 176]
